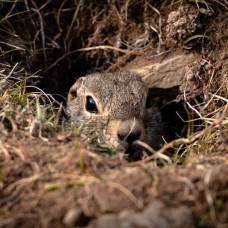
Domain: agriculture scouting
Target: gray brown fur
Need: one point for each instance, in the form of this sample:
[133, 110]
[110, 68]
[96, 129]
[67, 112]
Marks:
[121, 101]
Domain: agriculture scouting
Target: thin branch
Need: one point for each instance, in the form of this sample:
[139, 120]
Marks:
[215, 125]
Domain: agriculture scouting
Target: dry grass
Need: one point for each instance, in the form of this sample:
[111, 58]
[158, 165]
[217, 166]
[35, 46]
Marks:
[24, 110]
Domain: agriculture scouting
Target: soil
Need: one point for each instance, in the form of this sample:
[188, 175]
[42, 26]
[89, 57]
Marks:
[56, 179]
[58, 182]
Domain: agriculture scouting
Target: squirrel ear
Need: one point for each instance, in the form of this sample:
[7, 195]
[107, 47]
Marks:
[79, 82]
[73, 90]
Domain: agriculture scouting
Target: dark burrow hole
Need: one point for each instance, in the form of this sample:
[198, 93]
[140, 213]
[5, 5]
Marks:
[175, 117]
[62, 68]
[58, 80]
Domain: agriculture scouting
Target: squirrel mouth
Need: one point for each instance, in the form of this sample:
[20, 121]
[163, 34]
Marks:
[134, 151]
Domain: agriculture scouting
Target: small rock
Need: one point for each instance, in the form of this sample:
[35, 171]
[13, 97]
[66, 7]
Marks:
[76, 217]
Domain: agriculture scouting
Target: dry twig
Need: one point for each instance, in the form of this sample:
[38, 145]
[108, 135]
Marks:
[215, 125]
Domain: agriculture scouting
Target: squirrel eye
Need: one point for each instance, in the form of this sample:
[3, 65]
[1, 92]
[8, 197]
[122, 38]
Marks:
[91, 105]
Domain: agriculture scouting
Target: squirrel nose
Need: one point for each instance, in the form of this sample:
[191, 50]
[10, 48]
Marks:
[129, 137]
[129, 131]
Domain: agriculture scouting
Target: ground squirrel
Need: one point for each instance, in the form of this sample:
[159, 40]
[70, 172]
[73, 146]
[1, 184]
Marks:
[116, 107]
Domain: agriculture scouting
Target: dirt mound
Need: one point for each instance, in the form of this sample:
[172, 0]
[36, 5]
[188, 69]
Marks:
[43, 185]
